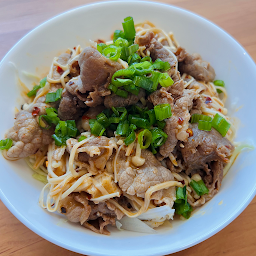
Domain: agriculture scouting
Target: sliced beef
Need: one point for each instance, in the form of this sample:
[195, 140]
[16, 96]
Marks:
[212, 179]
[192, 64]
[177, 125]
[136, 180]
[96, 72]
[158, 51]
[95, 153]
[203, 148]
[71, 107]
[78, 208]
[114, 100]
[26, 134]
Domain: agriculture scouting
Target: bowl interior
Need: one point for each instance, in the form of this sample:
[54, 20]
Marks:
[34, 54]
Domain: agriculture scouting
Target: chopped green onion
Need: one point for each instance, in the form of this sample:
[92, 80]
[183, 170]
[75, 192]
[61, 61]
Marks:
[159, 137]
[101, 47]
[132, 89]
[112, 52]
[53, 96]
[142, 68]
[134, 58]
[129, 28]
[204, 125]
[5, 144]
[220, 124]
[97, 129]
[183, 209]
[43, 82]
[219, 83]
[44, 122]
[121, 93]
[181, 194]
[122, 128]
[132, 49]
[147, 58]
[114, 120]
[58, 140]
[82, 138]
[139, 122]
[161, 124]
[71, 128]
[161, 65]
[195, 118]
[165, 80]
[115, 111]
[163, 111]
[144, 138]
[128, 73]
[102, 119]
[155, 79]
[34, 91]
[61, 129]
[122, 82]
[199, 187]
[121, 42]
[118, 34]
[151, 116]
[131, 138]
[153, 149]
[143, 82]
[37, 87]
[113, 88]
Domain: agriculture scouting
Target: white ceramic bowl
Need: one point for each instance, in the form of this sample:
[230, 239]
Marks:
[34, 53]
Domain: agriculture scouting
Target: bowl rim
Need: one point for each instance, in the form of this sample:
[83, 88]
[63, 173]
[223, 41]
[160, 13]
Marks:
[164, 250]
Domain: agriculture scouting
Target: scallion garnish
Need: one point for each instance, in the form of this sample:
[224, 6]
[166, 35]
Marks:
[199, 187]
[5, 144]
[97, 129]
[219, 83]
[53, 96]
[122, 128]
[118, 34]
[204, 125]
[144, 82]
[82, 138]
[163, 111]
[195, 118]
[182, 207]
[144, 138]
[112, 52]
[158, 137]
[161, 65]
[130, 138]
[165, 80]
[37, 87]
[220, 124]
[139, 122]
[129, 28]
[101, 47]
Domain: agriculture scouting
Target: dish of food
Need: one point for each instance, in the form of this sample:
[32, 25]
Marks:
[128, 132]
[130, 128]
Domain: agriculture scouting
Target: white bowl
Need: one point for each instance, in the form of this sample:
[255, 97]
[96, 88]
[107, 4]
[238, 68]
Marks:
[34, 53]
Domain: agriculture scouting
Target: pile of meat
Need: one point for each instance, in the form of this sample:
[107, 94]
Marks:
[196, 151]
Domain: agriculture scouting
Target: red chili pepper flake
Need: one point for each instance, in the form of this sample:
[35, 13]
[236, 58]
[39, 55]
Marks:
[59, 70]
[99, 41]
[74, 48]
[180, 121]
[85, 117]
[183, 182]
[71, 82]
[190, 132]
[35, 111]
[219, 109]
[208, 100]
